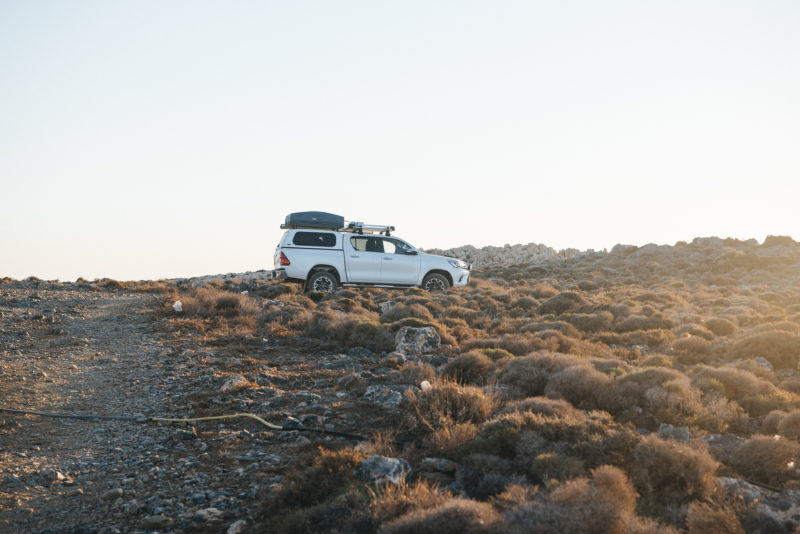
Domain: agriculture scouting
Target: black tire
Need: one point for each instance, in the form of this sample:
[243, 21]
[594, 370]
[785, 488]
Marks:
[435, 282]
[324, 281]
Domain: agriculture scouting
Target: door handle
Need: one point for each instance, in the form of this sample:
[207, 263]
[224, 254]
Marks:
[387, 259]
[355, 256]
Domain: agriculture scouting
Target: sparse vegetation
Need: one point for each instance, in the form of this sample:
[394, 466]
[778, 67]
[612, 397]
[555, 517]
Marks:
[549, 388]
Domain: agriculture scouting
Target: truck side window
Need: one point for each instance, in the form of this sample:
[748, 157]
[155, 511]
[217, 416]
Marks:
[395, 246]
[314, 239]
[388, 246]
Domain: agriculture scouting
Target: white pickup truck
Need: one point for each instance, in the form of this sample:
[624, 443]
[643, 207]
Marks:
[323, 253]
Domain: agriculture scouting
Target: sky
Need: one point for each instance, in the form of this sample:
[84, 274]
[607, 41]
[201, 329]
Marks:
[146, 139]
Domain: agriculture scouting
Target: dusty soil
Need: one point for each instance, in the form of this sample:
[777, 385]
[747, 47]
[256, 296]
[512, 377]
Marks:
[72, 349]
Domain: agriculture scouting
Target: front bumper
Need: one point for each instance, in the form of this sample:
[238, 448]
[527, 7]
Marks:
[461, 277]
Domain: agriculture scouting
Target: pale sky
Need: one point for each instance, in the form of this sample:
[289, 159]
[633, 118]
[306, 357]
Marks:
[149, 139]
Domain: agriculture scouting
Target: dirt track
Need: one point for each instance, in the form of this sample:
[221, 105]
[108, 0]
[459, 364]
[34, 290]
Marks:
[71, 350]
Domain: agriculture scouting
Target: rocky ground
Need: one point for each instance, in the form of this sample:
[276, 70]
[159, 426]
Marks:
[69, 349]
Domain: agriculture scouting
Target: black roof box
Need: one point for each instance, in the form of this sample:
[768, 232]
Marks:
[314, 219]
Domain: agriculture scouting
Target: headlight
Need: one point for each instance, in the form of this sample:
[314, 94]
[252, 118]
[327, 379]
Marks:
[458, 264]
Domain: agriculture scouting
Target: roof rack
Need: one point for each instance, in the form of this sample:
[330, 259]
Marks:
[359, 228]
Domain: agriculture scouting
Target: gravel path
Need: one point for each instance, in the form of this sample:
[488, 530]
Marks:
[67, 348]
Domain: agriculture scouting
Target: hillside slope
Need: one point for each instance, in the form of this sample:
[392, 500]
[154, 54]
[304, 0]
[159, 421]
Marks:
[637, 390]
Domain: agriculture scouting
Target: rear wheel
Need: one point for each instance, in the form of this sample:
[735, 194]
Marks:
[324, 281]
[435, 282]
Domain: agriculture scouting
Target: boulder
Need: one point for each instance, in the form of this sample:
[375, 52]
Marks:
[380, 469]
[412, 340]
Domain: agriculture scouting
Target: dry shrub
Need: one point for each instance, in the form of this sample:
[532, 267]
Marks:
[647, 525]
[706, 518]
[560, 326]
[755, 395]
[543, 291]
[457, 516]
[401, 311]
[656, 360]
[667, 472]
[314, 479]
[721, 326]
[641, 322]
[591, 322]
[526, 303]
[469, 368]
[691, 349]
[770, 423]
[544, 406]
[390, 501]
[446, 411]
[664, 393]
[485, 475]
[789, 425]
[517, 344]
[527, 376]
[497, 354]
[582, 385]
[344, 332]
[781, 349]
[413, 373]
[563, 302]
[647, 338]
[558, 446]
[767, 459]
[207, 302]
[601, 504]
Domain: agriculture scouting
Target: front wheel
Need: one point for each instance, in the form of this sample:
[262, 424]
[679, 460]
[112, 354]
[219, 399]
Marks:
[323, 281]
[435, 282]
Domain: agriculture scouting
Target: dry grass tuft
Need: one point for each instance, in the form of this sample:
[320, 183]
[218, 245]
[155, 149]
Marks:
[667, 472]
[469, 368]
[767, 459]
[457, 516]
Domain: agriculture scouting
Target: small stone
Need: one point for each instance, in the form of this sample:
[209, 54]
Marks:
[233, 383]
[156, 522]
[74, 492]
[209, 515]
[237, 527]
[110, 495]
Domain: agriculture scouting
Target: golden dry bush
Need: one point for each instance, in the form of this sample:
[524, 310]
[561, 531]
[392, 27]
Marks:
[757, 396]
[591, 322]
[770, 423]
[666, 471]
[390, 501]
[767, 459]
[782, 349]
[789, 425]
[428, 411]
[582, 385]
[542, 405]
[401, 311]
[469, 368]
[721, 326]
[563, 302]
[456, 516]
[707, 518]
[527, 376]
[600, 504]
[642, 322]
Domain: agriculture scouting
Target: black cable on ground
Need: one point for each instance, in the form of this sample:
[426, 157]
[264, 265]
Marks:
[143, 419]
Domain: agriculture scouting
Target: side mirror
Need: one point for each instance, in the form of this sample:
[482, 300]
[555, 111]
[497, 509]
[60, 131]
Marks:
[411, 252]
